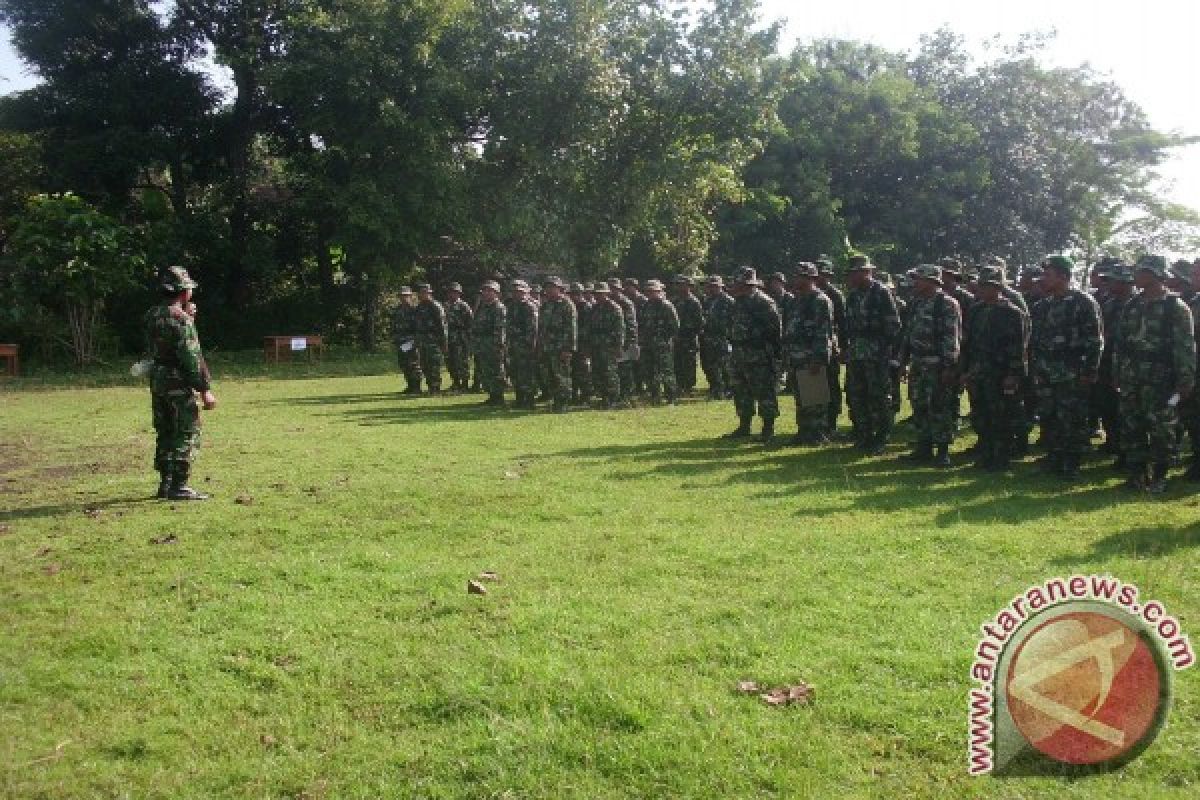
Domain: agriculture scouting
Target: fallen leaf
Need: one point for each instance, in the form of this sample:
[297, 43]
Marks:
[279, 486]
[801, 694]
[52, 569]
[94, 513]
[512, 476]
[244, 500]
[749, 687]
[45, 551]
[267, 740]
[475, 587]
[5, 529]
[169, 538]
[489, 576]
[775, 697]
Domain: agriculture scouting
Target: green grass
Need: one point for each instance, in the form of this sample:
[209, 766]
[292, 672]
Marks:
[317, 640]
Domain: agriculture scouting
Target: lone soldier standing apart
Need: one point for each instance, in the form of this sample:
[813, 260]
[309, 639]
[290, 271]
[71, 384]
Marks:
[522, 344]
[557, 340]
[994, 367]
[607, 340]
[432, 336]
[1065, 355]
[687, 343]
[931, 351]
[714, 340]
[177, 375]
[1155, 359]
[808, 347]
[489, 339]
[659, 327]
[872, 328]
[404, 336]
[825, 284]
[755, 331]
[458, 324]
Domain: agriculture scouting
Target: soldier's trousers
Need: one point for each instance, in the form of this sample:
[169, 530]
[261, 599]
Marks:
[834, 410]
[558, 378]
[755, 383]
[606, 378]
[714, 359]
[524, 365]
[1148, 424]
[894, 374]
[869, 395]
[658, 360]
[1063, 411]
[410, 365]
[431, 365]
[934, 405]
[176, 420]
[1189, 414]
[685, 366]
[458, 360]
[581, 376]
[996, 416]
[489, 368]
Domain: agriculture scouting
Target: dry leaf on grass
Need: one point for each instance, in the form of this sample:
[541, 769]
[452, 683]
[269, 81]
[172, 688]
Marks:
[52, 569]
[93, 513]
[169, 538]
[5, 529]
[45, 551]
[475, 587]
[267, 740]
[244, 500]
[748, 687]
[488, 575]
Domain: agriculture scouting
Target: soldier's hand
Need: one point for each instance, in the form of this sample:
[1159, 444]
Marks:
[209, 400]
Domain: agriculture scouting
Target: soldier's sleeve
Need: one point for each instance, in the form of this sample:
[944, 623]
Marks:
[1092, 335]
[572, 337]
[773, 322]
[1017, 337]
[672, 319]
[191, 359]
[1184, 346]
[823, 347]
[950, 346]
[500, 324]
[443, 330]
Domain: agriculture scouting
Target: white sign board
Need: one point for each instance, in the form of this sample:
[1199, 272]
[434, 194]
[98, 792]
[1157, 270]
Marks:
[300, 343]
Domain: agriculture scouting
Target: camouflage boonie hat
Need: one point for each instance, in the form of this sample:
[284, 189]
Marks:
[969, 274]
[714, 280]
[1059, 263]
[777, 276]
[654, 286]
[905, 279]
[681, 280]
[995, 261]
[1156, 265]
[929, 272]
[554, 280]
[747, 276]
[405, 290]
[860, 262]
[424, 287]
[886, 279]
[1122, 273]
[519, 285]
[454, 287]
[600, 288]
[824, 265]
[631, 282]
[1182, 270]
[577, 288]
[1105, 266]
[991, 276]
[495, 287]
[176, 279]
[614, 283]
[806, 269]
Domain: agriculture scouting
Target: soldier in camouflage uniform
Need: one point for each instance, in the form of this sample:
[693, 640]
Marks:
[1031, 290]
[808, 347]
[627, 365]
[458, 326]
[872, 335]
[931, 351]
[581, 371]
[691, 324]
[1065, 360]
[994, 368]
[432, 336]
[522, 335]
[489, 342]
[638, 362]
[825, 284]
[1155, 358]
[895, 368]
[1118, 279]
[558, 339]
[404, 337]
[607, 340]
[177, 374]
[755, 332]
[659, 325]
[714, 337]
[956, 277]
[1189, 408]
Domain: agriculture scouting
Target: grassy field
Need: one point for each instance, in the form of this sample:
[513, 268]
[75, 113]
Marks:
[308, 634]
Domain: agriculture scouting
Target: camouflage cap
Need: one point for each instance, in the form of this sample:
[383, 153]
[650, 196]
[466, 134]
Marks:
[747, 276]
[601, 288]
[714, 280]
[991, 275]
[777, 276]
[824, 264]
[577, 288]
[995, 261]
[885, 278]
[681, 280]
[555, 281]
[859, 261]
[905, 279]
[176, 279]
[614, 283]
[806, 269]
[1182, 270]
[454, 287]
[1156, 265]
[405, 290]
[495, 287]
[1122, 273]
[631, 282]
[589, 287]
[519, 285]
[424, 287]
[969, 274]
[928, 272]
[653, 285]
[1105, 266]
[1059, 263]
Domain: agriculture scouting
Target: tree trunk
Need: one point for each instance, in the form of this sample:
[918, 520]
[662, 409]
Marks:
[370, 312]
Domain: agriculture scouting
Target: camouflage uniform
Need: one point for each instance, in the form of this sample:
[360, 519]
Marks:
[995, 368]
[607, 340]
[687, 343]
[178, 373]
[659, 325]
[558, 333]
[1154, 356]
[834, 373]
[714, 343]
[1189, 409]
[488, 335]
[755, 331]
[931, 348]
[872, 331]
[1064, 352]
[626, 366]
[581, 370]
[522, 337]
[1107, 400]
[808, 345]
[458, 325]
[432, 340]
[404, 334]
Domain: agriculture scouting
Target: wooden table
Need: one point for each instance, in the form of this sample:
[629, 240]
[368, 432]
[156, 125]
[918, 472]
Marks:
[281, 348]
[12, 359]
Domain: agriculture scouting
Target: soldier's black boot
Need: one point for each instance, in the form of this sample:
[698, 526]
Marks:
[768, 431]
[742, 430]
[179, 490]
[942, 459]
[922, 451]
[1070, 467]
[1158, 478]
[164, 484]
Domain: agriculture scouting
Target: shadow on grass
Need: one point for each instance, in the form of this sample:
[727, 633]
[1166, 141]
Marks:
[1151, 541]
[78, 507]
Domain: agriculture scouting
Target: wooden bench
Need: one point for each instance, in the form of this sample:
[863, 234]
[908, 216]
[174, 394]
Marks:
[281, 348]
[12, 359]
